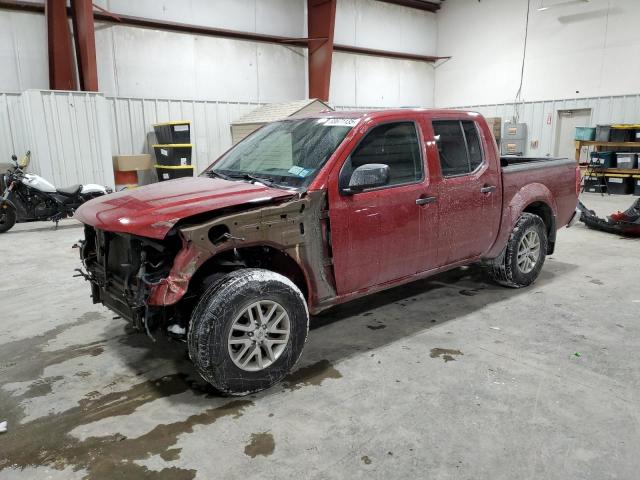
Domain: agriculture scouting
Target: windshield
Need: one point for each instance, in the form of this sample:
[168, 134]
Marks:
[288, 153]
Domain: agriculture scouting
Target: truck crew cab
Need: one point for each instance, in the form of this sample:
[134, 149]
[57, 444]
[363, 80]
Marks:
[314, 211]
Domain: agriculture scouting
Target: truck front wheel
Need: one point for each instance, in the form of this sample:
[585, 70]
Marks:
[520, 262]
[248, 331]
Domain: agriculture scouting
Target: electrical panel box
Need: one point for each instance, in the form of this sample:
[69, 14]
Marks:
[514, 131]
[513, 147]
[514, 138]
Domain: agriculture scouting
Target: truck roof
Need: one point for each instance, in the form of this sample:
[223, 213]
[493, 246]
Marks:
[388, 113]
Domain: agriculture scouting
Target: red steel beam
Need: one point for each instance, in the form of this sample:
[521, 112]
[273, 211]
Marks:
[61, 63]
[321, 21]
[85, 38]
[128, 20]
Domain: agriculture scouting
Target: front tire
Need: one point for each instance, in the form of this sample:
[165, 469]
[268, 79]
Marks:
[8, 217]
[520, 262]
[248, 331]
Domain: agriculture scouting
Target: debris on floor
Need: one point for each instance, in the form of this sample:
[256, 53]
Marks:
[622, 223]
[3, 426]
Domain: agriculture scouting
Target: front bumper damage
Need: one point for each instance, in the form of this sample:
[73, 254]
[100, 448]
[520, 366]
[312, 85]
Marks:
[123, 271]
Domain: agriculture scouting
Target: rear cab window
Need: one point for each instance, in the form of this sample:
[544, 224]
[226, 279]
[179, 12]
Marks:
[459, 147]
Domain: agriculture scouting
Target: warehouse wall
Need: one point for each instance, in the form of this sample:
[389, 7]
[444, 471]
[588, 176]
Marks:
[136, 62]
[578, 50]
[541, 117]
[361, 80]
[23, 52]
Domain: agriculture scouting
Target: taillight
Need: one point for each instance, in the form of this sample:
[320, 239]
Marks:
[578, 180]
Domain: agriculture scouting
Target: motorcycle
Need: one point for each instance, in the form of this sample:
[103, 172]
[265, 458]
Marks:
[27, 197]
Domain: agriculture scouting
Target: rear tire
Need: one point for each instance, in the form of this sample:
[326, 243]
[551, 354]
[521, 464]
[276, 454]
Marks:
[248, 331]
[520, 262]
[8, 217]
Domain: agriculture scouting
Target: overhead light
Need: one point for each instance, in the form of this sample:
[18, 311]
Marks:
[542, 8]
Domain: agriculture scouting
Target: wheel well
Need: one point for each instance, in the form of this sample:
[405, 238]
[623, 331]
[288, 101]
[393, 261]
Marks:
[265, 257]
[543, 210]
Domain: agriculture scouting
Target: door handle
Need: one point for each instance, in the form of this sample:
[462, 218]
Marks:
[426, 200]
[488, 188]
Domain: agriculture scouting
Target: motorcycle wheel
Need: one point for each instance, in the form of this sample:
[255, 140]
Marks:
[7, 217]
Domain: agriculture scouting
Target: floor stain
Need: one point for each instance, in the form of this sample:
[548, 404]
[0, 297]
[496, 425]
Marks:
[447, 354]
[260, 444]
[471, 291]
[595, 281]
[104, 455]
[376, 327]
[313, 374]
[365, 459]
[171, 454]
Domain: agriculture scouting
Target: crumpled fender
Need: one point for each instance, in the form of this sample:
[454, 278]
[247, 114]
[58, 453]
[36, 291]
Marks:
[528, 194]
[172, 288]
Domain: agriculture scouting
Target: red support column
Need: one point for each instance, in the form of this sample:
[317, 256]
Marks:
[84, 34]
[321, 20]
[61, 62]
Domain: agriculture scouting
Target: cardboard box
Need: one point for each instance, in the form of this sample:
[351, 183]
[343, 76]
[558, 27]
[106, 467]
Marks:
[495, 124]
[126, 163]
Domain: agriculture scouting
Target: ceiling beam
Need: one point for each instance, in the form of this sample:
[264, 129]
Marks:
[128, 20]
[417, 4]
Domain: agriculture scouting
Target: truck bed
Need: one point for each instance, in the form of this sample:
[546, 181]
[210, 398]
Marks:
[554, 175]
[529, 162]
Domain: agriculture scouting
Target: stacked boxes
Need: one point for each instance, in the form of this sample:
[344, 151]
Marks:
[618, 184]
[173, 153]
[626, 160]
[495, 124]
[585, 133]
[604, 159]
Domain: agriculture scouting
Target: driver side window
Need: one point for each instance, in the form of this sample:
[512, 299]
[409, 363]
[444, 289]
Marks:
[392, 144]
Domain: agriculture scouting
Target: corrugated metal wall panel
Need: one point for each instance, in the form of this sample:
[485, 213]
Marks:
[604, 110]
[132, 122]
[67, 135]
[11, 126]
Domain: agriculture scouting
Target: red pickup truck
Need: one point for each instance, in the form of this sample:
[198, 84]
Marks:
[314, 211]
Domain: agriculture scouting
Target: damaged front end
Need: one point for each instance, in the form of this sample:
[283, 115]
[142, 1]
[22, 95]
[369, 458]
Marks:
[124, 269]
[157, 283]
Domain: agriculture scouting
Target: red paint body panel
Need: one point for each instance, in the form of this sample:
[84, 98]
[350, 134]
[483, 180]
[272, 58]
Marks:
[152, 211]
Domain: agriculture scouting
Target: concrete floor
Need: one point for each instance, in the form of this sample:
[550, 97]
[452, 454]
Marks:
[448, 378]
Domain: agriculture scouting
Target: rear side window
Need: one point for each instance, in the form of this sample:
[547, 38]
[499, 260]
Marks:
[394, 144]
[458, 146]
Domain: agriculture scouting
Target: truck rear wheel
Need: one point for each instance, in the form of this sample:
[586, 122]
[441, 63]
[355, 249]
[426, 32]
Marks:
[248, 331]
[520, 262]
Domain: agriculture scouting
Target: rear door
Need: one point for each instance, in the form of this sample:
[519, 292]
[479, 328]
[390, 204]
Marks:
[376, 234]
[469, 196]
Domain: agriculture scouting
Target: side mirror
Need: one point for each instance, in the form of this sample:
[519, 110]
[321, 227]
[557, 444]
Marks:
[366, 176]
[14, 158]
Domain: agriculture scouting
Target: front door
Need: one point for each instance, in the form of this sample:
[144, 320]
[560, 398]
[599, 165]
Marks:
[469, 196]
[376, 234]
